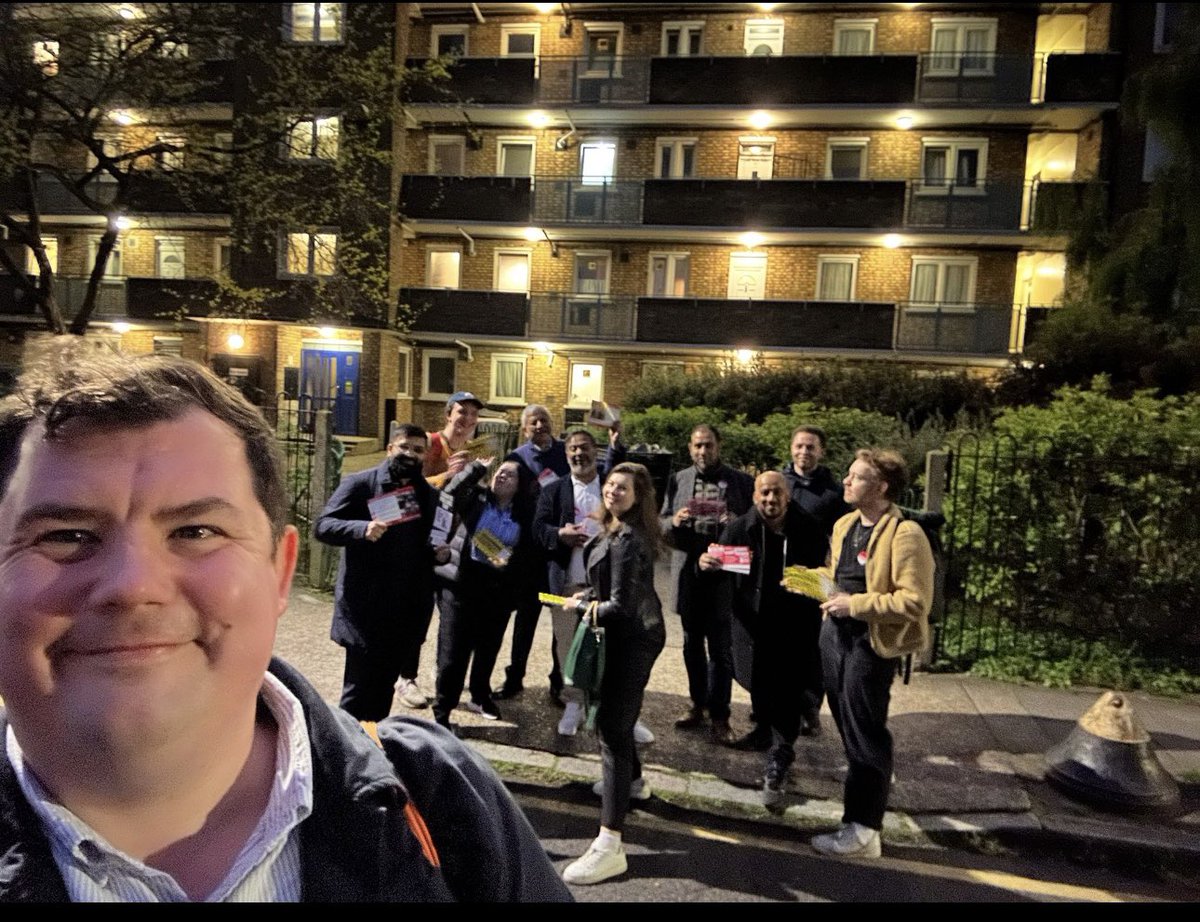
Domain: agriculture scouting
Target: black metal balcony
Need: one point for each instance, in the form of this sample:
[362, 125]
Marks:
[1083, 78]
[784, 80]
[763, 203]
[956, 329]
[790, 324]
[976, 78]
[556, 315]
[466, 198]
[479, 81]
[168, 299]
[457, 310]
[578, 201]
[148, 192]
[1059, 207]
[993, 204]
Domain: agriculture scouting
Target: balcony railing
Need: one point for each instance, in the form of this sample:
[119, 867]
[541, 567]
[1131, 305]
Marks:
[962, 78]
[992, 204]
[957, 329]
[579, 201]
[580, 316]
[456, 310]
[149, 191]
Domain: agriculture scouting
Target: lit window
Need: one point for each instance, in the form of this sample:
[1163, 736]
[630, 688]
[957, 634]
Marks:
[958, 165]
[837, 278]
[45, 57]
[669, 275]
[51, 246]
[315, 23]
[854, 36]
[313, 138]
[444, 267]
[310, 254]
[114, 266]
[597, 162]
[963, 47]
[943, 282]
[508, 379]
[681, 39]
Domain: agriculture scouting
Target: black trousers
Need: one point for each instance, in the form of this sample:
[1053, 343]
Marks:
[368, 683]
[627, 665]
[707, 653]
[859, 684]
[470, 630]
[525, 622]
[785, 680]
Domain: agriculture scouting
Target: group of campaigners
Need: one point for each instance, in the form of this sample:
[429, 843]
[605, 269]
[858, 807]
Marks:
[554, 518]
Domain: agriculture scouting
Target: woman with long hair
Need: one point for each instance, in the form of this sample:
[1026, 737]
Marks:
[620, 577]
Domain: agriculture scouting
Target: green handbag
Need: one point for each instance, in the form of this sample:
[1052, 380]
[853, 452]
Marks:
[584, 668]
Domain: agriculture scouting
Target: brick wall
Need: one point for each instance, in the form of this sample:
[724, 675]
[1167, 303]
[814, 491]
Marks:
[138, 251]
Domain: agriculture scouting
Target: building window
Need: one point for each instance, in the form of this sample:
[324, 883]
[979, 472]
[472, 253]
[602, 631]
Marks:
[313, 137]
[515, 156]
[953, 164]
[51, 246]
[675, 158]
[662, 369]
[314, 23]
[404, 371]
[1168, 18]
[447, 155]
[170, 257]
[222, 257]
[837, 278]
[168, 345]
[170, 157]
[603, 48]
[846, 158]
[669, 275]
[764, 36]
[438, 374]
[521, 41]
[106, 47]
[511, 270]
[947, 282]
[448, 40]
[443, 268]
[45, 57]
[682, 39]
[114, 268]
[597, 162]
[309, 255]
[854, 36]
[963, 47]
[508, 380]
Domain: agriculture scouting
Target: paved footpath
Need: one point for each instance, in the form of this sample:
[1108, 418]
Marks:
[969, 752]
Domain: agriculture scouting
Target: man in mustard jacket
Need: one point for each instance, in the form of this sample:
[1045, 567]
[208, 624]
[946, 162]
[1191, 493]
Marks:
[884, 571]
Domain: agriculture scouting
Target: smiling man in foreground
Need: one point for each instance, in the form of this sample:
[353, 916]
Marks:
[149, 754]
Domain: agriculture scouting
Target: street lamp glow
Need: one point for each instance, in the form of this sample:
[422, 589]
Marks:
[122, 223]
[235, 341]
[904, 122]
[545, 8]
[891, 241]
[539, 119]
[121, 117]
[542, 347]
[760, 120]
[745, 356]
[533, 234]
[121, 327]
[750, 240]
[326, 332]
[127, 12]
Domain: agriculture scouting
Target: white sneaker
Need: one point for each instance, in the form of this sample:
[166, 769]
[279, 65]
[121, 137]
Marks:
[853, 840]
[572, 718]
[638, 789]
[642, 734]
[596, 865]
[410, 694]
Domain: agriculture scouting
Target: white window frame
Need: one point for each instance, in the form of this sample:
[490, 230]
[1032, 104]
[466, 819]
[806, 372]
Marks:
[436, 32]
[671, 256]
[599, 180]
[404, 386]
[511, 251]
[294, 152]
[46, 56]
[117, 251]
[619, 28]
[765, 141]
[677, 146]
[168, 159]
[847, 25]
[289, 30]
[1161, 44]
[685, 27]
[426, 355]
[534, 29]
[51, 246]
[831, 144]
[171, 240]
[442, 248]
[954, 145]
[218, 243]
[655, 366]
[942, 262]
[496, 399]
[587, 254]
[456, 139]
[285, 242]
[960, 26]
[776, 24]
[580, 404]
[838, 259]
[516, 139]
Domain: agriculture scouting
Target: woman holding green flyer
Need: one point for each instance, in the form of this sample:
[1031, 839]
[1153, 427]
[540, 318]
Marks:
[620, 576]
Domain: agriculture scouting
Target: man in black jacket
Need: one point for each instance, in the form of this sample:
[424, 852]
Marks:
[813, 487]
[700, 500]
[780, 628]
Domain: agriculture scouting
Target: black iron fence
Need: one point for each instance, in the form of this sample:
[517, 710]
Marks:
[1067, 547]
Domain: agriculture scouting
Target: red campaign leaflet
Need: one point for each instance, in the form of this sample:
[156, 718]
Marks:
[706, 508]
[546, 478]
[734, 558]
[395, 507]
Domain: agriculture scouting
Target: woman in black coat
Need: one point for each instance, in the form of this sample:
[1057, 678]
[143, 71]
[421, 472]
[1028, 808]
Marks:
[620, 574]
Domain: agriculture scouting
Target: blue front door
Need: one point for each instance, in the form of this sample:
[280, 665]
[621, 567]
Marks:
[329, 381]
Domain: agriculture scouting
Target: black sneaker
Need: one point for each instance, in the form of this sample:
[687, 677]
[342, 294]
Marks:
[774, 781]
[486, 709]
[508, 690]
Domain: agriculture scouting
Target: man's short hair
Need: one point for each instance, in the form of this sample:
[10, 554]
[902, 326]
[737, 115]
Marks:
[531, 410]
[889, 465]
[811, 430]
[578, 430]
[708, 427]
[407, 431]
[73, 381]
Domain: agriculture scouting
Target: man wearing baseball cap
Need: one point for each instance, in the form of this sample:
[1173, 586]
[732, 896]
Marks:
[447, 449]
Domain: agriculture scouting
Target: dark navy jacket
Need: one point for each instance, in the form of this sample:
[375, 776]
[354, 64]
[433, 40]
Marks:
[378, 582]
[819, 494]
[357, 846]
